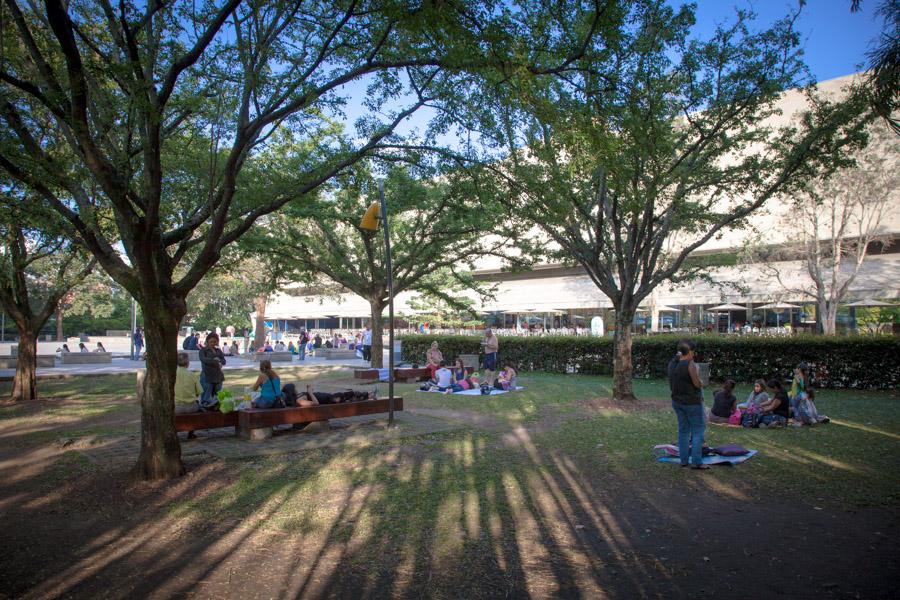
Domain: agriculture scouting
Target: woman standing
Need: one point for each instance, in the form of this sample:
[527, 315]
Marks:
[684, 381]
[211, 360]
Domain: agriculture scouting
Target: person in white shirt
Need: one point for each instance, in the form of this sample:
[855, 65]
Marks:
[280, 347]
[367, 344]
[444, 378]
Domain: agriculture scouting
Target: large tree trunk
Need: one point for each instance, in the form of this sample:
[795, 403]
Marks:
[160, 456]
[24, 384]
[377, 358]
[59, 327]
[623, 369]
[259, 333]
[829, 318]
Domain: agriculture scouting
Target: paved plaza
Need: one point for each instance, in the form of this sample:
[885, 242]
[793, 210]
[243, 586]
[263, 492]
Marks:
[122, 363]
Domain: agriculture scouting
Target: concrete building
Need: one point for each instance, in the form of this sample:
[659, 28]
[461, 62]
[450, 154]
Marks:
[557, 297]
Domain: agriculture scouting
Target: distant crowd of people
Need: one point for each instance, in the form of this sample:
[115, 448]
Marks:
[769, 404]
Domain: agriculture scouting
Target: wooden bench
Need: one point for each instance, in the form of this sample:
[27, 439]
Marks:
[365, 373]
[85, 358]
[206, 420]
[338, 354]
[407, 375]
[257, 423]
[43, 360]
[273, 356]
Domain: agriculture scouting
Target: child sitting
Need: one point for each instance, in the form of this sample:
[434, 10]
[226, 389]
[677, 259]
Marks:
[507, 378]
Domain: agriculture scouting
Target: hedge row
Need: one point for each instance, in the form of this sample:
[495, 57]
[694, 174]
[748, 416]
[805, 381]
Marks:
[850, 362]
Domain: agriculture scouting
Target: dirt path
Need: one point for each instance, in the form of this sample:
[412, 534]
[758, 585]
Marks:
[550, 527]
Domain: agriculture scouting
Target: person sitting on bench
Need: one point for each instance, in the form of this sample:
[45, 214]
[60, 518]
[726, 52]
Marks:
[433, 359]
[187, 389]
[269, 385]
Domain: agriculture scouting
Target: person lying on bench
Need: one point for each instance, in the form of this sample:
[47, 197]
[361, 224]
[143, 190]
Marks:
[187, 389]
[335, 397]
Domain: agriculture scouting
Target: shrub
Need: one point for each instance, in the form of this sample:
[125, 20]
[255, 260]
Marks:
[852, 362]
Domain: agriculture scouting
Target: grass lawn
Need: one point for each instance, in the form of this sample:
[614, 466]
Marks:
[550, 491]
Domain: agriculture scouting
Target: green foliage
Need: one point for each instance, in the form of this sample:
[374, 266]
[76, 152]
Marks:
[852, 362]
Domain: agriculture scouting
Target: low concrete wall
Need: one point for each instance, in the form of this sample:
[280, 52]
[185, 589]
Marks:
[470, 360]
[272, 356]
[337, 354]
[193, 355]
[85, 358]
[10, 362]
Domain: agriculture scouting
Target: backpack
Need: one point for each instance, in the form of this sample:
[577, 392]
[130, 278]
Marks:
[485, 389]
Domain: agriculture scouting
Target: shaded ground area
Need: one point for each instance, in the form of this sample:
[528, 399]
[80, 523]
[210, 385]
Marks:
[550, 492]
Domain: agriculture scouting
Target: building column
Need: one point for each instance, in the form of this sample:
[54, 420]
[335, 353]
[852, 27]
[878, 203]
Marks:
[654, 319]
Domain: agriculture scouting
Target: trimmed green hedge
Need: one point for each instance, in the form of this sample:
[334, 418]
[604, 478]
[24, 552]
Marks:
[848, 362]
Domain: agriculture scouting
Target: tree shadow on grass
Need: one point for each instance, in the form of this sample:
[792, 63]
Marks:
[465, 514]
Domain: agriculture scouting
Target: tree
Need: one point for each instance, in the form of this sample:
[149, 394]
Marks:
[884, 62]
[439, 225]
[837, 220]
[38, 267]
[155, 118]
[654, 143]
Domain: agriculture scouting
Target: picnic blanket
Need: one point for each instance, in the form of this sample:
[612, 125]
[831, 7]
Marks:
[474, 392]
[730, 454]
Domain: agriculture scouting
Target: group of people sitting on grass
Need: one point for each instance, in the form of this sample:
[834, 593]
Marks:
[457, 379]
[769, 404]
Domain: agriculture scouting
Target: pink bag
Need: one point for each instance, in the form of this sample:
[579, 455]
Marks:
[464, 384]
[735, 418]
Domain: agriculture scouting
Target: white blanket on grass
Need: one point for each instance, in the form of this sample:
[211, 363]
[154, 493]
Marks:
[474, 392]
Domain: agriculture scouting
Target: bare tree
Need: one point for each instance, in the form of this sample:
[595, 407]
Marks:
[837, 221]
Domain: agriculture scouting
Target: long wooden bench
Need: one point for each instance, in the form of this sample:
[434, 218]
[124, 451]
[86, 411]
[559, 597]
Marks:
[256, 424]
[410, 374]
[85, 358]
[404, 374]
[206, 420]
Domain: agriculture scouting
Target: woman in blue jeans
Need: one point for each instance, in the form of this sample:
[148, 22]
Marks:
[687, 402]
[269, 385]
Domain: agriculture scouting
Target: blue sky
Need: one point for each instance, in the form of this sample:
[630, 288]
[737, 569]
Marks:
[834, 40]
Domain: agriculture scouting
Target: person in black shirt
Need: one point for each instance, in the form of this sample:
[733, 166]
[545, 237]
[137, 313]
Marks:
[684, 381]
[775, 410]
[724, 403]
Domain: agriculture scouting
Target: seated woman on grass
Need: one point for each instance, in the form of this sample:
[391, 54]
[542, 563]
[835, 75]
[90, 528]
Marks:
[269, 385]
[507, 378]
[724, 403]
[461, 379]
[757, 396]
[775, 410]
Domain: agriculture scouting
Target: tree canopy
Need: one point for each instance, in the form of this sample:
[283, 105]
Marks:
[655, 142]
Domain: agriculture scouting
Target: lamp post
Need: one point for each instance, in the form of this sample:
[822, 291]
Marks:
[378, 210]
